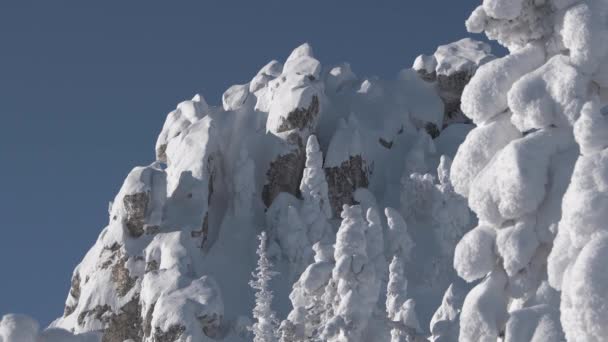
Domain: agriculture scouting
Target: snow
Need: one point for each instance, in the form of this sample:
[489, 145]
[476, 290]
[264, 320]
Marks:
[585, 290]
[516, 245]
[477, 21]
[177, 121]
[484, 310]
[465, 55]
[345, 143]
[198, 307]
[21, 328]
[514, 183]
[501, 9]
[479, 147]
[591, 129]
[486, 94]
[451, 138]
[426, 63]
[339, 77]
[585, 34]
[235, 96]
[551, 95]
[536, 324]
[475, 253]
[179, 247]
[445, 322]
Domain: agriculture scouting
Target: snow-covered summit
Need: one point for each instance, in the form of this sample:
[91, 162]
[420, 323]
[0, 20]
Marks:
[285, 151]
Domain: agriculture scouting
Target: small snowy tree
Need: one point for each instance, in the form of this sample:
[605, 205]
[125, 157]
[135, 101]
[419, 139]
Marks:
[375, 244]
[314, 184]
[400, 310]
[307, 297]
[265, 328]
[316, 208]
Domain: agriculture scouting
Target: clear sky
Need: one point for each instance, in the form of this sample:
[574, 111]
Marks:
[85, 87]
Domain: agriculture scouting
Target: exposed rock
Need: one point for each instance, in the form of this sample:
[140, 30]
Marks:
[344, 180]
[121, 278]
[148, 321]
[211, 324]
[387, 144]
[98, 313]
[127, 324]
[284, 175]
[301, 118]
[170, 335]
[75, 294]
[452, 67]
[135, 207]
[152, 266]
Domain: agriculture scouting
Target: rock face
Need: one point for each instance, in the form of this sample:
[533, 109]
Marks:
[343, 180]
[450, 69]
[293, 116]
[174, 261]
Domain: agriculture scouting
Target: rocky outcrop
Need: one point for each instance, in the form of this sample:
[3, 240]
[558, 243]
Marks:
[450, 69]
[147, 278]
[284, 175]
[124, 325]
[343, 180]
[293, 116]
[135, 207]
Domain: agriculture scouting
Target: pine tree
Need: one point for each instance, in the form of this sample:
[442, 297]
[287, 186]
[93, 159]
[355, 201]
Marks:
[265, 328]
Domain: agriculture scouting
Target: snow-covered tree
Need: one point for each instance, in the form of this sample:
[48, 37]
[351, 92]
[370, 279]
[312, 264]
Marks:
[396, 290]
[265, 328]
[353, 280]
[451, 219]
[307, 297]
[514, 167]
[400, 310]
[316, 208]
[399, 240]
[314, 185]
[375, 244]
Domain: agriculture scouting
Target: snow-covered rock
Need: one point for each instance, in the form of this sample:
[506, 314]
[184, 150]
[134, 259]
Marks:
[284, 153]
[452, 66]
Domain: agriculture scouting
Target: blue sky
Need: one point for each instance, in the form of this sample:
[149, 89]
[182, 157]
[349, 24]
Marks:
[85, 87]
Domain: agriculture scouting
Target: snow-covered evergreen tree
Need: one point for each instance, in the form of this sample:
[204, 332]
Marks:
[305, 320]
[375, 244]
[265, 328]
[514, 167]
[400, 310]
[353, 279]
[316, 208]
